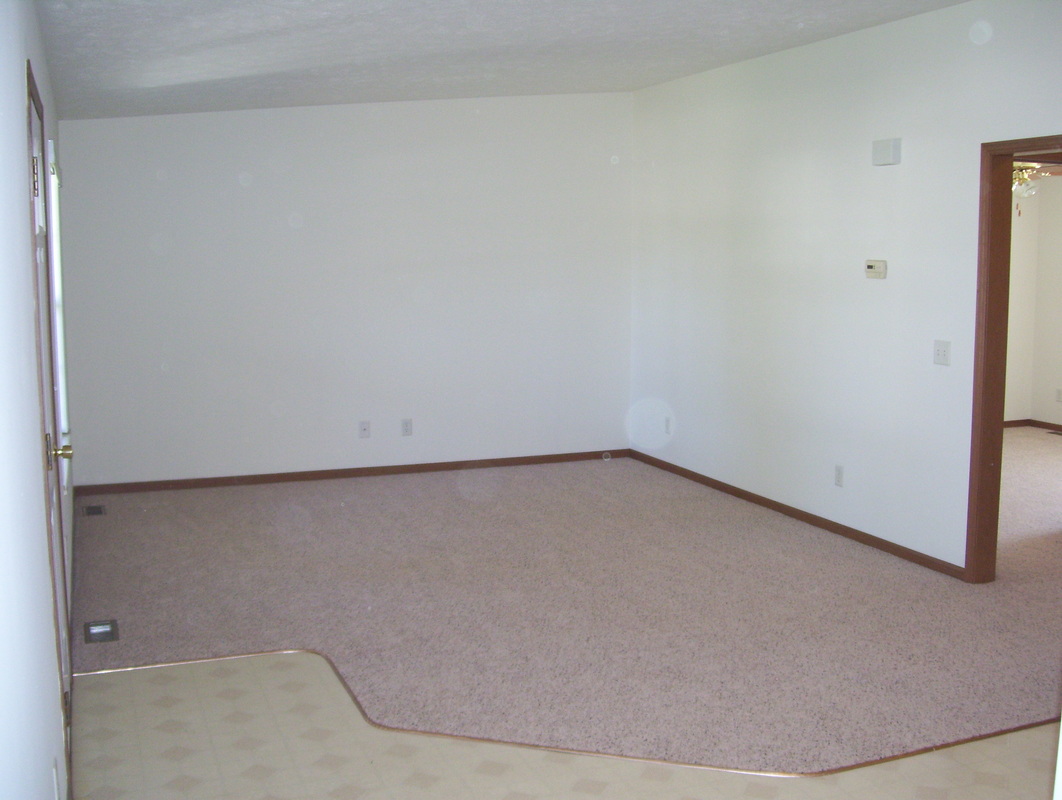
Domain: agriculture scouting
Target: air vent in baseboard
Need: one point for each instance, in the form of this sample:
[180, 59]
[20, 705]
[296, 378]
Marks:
[101, 631]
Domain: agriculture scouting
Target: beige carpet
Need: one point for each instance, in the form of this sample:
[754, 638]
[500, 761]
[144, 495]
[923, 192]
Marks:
[600, 606]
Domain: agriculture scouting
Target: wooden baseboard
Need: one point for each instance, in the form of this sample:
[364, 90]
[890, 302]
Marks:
[331, 474]
[1032, 423]
[405, 469]
[819, 522]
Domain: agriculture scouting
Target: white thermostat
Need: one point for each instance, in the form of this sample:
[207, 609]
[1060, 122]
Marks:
[876, 269]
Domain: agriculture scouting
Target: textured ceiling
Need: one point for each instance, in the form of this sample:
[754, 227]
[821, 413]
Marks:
[129, 57]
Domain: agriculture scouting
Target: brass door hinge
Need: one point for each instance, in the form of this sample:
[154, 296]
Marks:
[36, 177]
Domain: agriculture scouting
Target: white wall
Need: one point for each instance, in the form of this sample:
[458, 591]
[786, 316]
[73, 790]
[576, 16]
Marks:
[243, 288]
[1047, 375]
[756, 205]
[31, 736]
[1034, 338]
[1021, 322]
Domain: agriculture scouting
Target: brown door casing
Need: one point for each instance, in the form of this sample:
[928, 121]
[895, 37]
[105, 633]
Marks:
[990, 347]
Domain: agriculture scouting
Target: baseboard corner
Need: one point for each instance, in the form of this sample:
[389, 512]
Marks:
[906, 553]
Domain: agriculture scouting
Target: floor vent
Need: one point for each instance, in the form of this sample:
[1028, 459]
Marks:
[95, 511]
[102, 631]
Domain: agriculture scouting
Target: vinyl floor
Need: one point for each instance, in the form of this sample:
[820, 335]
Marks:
[282, 726]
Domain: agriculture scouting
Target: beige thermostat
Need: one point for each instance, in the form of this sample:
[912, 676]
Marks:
[876, 269]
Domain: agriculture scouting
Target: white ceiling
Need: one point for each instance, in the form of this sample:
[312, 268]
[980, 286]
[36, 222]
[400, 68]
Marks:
[130, 57]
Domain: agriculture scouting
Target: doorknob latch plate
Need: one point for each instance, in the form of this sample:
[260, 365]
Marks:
[54, 453]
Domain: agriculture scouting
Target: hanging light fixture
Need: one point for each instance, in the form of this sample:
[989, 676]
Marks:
[1027, 178]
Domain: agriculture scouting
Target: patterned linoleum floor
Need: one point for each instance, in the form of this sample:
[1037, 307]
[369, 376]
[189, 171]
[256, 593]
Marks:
[282, 726]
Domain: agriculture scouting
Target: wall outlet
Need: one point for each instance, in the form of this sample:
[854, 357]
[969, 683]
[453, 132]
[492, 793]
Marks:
[364, 429]
[942, 353]
[407, 427]
[838, 475]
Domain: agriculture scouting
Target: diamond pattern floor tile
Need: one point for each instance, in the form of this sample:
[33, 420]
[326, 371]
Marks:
[282, 727]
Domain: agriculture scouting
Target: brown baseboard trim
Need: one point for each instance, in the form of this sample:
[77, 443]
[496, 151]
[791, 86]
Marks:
[819, 522]
[1033, 423]
[331, 474]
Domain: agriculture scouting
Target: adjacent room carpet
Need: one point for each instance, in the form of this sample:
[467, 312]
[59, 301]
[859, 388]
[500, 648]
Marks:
[601, 606]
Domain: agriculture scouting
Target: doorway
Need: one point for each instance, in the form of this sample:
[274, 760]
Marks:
[990, 346]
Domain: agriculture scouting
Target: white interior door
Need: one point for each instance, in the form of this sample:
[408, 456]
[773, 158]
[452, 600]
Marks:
[66, 481]
[55, 449]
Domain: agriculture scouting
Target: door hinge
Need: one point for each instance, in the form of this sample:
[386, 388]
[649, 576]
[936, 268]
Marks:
[36, 177]
[67, 710]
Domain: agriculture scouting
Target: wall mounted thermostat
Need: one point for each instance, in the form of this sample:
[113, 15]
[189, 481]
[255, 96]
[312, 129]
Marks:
[876, 269]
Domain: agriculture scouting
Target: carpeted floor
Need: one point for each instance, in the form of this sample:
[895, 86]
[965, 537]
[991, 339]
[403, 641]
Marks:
[599, 606]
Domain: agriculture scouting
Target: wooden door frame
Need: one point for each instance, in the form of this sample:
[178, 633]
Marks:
[990, 349]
